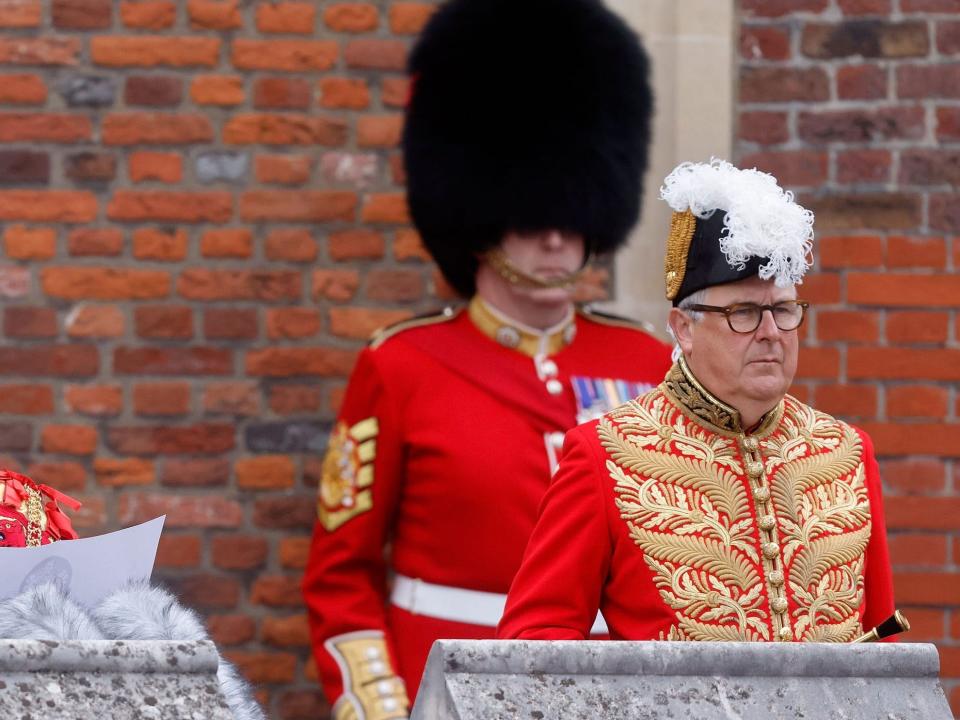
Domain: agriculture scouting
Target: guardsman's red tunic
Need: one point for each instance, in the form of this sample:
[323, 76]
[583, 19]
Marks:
[680, 525]
[441, 454]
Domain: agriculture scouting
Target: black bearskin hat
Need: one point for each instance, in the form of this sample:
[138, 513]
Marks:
[524, 115]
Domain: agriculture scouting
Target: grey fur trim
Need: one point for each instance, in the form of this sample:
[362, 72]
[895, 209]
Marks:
[141, 612]
[45, 613]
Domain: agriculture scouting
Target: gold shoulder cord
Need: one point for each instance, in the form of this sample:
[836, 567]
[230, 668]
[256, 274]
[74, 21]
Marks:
[682, 226]
[35, 517]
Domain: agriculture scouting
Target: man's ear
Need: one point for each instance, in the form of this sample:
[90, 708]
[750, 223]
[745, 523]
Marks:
[682, 326]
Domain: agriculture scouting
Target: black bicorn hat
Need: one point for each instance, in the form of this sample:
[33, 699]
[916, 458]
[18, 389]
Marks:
[524, 115]
[730, 224]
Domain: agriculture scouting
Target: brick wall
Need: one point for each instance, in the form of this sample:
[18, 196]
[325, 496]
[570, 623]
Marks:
[855, 105]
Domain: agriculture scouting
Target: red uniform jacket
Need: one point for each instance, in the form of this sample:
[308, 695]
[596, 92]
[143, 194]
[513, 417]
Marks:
[677, 524]
[442, 454]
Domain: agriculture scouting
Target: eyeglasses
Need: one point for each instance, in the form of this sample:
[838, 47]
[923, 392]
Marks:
[746, 317]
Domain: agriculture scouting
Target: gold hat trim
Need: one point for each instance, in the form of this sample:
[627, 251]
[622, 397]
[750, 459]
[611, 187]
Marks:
[682, 227]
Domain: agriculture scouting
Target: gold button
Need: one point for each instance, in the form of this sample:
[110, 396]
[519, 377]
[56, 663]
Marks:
[786, 634]
[779, 605]
[768, 522]
[771, 550]
[754, 469]
[750, 444]
[775, 578]
[762, 493]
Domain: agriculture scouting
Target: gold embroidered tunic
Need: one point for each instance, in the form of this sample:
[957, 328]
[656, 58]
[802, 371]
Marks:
[678, 523]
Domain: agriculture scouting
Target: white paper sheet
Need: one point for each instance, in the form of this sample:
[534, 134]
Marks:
[90, 568]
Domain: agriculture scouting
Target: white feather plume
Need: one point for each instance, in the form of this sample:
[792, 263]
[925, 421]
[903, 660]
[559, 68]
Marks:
[763, 220]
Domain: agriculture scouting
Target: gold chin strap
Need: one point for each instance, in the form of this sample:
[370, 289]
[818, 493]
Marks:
[515, 276]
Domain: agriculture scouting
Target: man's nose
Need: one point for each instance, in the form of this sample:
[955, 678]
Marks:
[768, 330]
[552, 239]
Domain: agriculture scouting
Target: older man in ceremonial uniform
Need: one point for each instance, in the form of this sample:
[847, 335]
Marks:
[525, 144]
[716, 506]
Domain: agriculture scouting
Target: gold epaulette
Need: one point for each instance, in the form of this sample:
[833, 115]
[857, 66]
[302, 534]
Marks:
[383, 334]
[617, 320]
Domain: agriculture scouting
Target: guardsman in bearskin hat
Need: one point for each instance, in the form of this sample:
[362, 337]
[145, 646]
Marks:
[525, 145]
[716, 506]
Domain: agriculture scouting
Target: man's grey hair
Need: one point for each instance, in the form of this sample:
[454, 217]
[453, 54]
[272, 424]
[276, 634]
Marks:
[694, 298]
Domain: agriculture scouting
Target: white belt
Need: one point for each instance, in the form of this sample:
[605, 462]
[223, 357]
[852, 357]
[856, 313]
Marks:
[474, 607]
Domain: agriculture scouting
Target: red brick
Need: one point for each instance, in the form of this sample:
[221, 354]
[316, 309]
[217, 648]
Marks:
[214, 14]
[292, 323]
[376, 54]
[223, 90]
[289, 55]
[338, 285]
[394, 285]
[69, 439]
[26, 400]
[861, 82]
[172, 361]
[924, 167]
[148, 14]
[355, 243]
[903, 363]
[291, 631]
[865, 7]
[231, 629]
[238, 552]
[141, 128]
[276, 591]
[408, 245]
[763, 127]
[82, 283]
[924, 82]
[854, 326]
[263, 667]
[266, 285]
[206, 590]
[361, 323]
[948, 37]
[110, 472]
[409, 18]
[196, 472]
[359, 170]
[290, 362]
[917, 327]
[21, 14]
[157, 244]
[948, 123]
[64, 476]
[293, 552]
[386, 208]
[29, 322]
[49, 360]
[48, 205]
[379, 131]
[929, 252]
[903, 289]
[92, 516]
[773, 85]
[444, 291]
[936, 6]
[394, 91]
[164, 322]
[790, 167]
[344, 93]
[298, 206]
[22, 90]
[230, 323]
[850, 251]
[162, 205]
[253, 129]
[181, 510]
[283, 169]
[95, 241]
[47, 127]
[917, 401]
[291, 245]
[267, 472]
[153, 90]
[57, 51]
[818, 362]
[182, 439]
[862, 125]
[351, 17]
[154, 50]
[95, 321]
[277, 92]
[178, 551]
[779, 8]
[336, 398]
[909, 476]
[764, 42]
[926, 624]
[227, 243]
[160, 166]
[295, 399]
[937, 439]
[917, 549]
[945, 212]
[98, 400]
[913, 512]
[241, 399]
[81, 14]
[286, 17]
[840, 211]
[161, 399]
[15, 281]
[90, 167]
[865, 39]
[864, 166]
